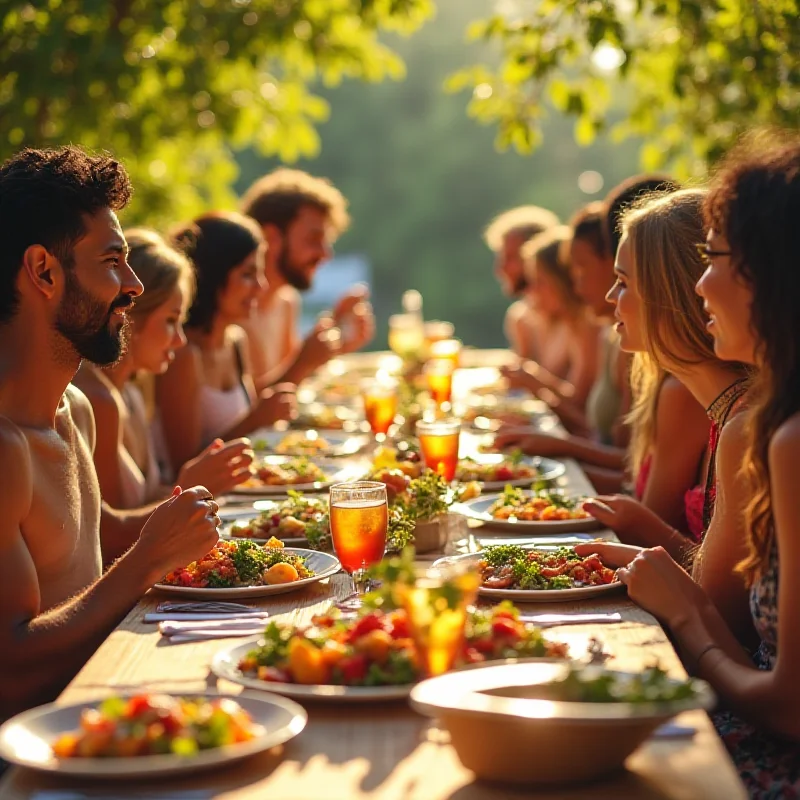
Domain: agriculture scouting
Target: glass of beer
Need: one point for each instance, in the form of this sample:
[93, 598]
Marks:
[380, 405]
[437, 603]
[447, 348]
[406, 336]
[439, 375]
[438, 441]
[359, 518]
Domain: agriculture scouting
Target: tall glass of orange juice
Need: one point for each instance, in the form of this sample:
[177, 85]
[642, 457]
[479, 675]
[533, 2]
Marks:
[439, 375]
[381, 398]
[438, 440]
[437, 603]
[359, 519]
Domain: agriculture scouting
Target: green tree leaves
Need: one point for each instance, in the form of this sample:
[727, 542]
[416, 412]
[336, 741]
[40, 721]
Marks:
[171, 85]
[695, 73]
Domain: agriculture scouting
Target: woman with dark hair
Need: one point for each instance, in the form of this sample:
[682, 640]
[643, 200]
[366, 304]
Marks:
[208, 392]
[751, 292]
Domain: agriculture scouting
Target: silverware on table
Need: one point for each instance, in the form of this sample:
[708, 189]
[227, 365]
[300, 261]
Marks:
[550, 620]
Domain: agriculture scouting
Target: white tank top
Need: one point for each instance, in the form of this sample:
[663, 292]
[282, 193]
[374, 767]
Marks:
[221, 409]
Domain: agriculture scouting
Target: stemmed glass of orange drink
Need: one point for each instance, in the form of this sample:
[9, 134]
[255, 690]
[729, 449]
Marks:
[359, 520]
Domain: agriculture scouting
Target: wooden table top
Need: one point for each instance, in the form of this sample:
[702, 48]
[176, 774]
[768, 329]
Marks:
[381, 750]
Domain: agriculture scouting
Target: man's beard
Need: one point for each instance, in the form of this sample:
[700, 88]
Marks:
[291, 273]
[85, 322]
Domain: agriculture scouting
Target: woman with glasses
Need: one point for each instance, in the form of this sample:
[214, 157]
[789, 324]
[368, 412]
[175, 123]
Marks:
[751, 293]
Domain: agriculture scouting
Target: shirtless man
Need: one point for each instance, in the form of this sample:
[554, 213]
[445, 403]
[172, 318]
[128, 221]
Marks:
[505, 236]
[66, 286]
[300, 216]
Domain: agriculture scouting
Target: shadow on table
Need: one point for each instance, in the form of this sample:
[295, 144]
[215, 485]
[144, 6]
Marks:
[624, 786]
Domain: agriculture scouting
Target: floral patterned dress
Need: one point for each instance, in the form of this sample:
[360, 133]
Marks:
[768, 765]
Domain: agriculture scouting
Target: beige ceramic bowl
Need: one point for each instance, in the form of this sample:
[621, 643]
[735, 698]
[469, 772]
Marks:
[430, 536]
[503, 733]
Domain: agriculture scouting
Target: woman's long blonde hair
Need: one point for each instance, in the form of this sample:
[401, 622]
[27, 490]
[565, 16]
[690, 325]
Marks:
[161, 269]
[663, 232]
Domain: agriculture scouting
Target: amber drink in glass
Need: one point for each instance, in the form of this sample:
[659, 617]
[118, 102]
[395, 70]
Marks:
[438, 441]
[359, 518]
[437, 604]
[380, 405]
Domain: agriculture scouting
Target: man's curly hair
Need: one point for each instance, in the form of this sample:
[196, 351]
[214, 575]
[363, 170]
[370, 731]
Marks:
[277, 198]
[45, 196]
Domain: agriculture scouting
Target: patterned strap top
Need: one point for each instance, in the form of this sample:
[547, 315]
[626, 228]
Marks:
[719, 412]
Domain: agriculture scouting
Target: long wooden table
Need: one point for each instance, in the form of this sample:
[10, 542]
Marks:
[386, 750]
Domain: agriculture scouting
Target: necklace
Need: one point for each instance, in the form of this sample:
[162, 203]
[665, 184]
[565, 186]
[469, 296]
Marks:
[718, 412]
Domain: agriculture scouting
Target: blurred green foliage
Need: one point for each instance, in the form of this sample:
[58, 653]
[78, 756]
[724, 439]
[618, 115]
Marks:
[171, 86]
[423, 180]
[697, 72]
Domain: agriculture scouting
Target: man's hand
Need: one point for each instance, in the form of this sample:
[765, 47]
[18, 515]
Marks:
[220, 467]
[353, 315]
[181, 530]
[321, 345]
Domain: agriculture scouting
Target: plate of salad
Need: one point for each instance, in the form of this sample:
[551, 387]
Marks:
[495, 471]
[297, 520]
[532, 511]
[539, 574]
[310, 442]
[371, 656]
[243, 568]
[276, 474]
[148, 735]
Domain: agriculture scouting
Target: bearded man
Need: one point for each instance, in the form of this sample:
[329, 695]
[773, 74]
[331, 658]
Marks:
[70, 567]
[301, 216]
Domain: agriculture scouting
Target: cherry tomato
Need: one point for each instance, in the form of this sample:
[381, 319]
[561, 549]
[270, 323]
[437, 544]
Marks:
[353, 668]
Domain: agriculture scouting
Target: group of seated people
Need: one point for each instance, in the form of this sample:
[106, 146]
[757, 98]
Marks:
[660, 325]
[133, 364]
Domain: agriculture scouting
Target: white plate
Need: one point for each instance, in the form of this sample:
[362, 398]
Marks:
[323, 564]
[478, 508]
[225, 665]
[26, 740]
[243, 516]
[340, 443]
[536, 595]
[336, 471]
[548, 470]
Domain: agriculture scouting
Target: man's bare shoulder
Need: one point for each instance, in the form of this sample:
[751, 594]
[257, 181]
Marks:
[78, 407]
[16, 488]
[288, 296]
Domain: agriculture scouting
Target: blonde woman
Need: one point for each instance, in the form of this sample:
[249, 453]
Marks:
[124, 454]
[660, 317]
[566, 358]
[751, 292]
